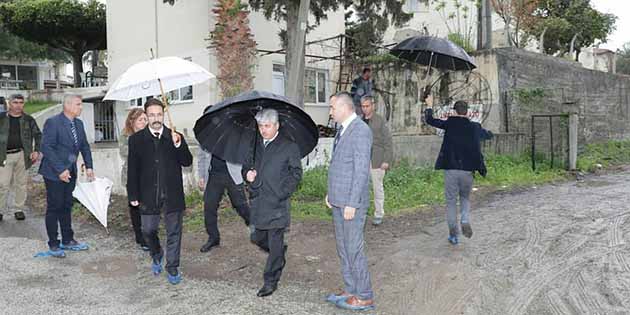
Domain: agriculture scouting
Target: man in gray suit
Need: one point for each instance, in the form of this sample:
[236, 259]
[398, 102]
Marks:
[349, 198]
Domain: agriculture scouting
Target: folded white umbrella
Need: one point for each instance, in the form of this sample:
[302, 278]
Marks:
[94, 196]
[143, 78]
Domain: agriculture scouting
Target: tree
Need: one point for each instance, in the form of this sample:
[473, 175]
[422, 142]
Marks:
[459, 21]
[367, 21]
[13, 47]
[234, 46]
[515, 14]
[623, 59]
[564, 19]
[288, 11]
[68, 25]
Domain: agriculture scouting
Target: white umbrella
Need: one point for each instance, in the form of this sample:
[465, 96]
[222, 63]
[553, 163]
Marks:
[156, 76]
[143, 79]
[94, 196]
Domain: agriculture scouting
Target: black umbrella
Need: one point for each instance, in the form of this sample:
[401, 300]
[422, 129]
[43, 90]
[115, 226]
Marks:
[435, 52]
[229, 129]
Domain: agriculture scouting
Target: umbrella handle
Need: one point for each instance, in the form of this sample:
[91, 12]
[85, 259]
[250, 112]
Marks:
[166, 109]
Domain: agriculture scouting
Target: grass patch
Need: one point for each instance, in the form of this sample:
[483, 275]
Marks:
[31, 107]
[605, 154]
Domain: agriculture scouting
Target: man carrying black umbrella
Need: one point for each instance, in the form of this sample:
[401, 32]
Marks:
[275, 176]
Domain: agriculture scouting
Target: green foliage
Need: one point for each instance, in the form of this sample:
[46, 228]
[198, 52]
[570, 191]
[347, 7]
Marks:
[459, 17]
[623, 59]
[530, 98]
[606, 154]
[31, 107]
[460, 41]
[565, 18]
[71, 26]
[366, 23]
[13, 47]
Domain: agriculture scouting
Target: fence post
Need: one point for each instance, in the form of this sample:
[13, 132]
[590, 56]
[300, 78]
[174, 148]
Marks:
[573, 140]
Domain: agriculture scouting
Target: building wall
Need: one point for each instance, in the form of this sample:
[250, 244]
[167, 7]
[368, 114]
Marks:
[132, 33]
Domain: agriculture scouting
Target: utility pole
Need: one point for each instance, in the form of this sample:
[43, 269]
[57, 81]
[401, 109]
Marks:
[296, 35]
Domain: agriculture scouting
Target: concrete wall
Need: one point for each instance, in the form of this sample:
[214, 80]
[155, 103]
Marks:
[601, 99]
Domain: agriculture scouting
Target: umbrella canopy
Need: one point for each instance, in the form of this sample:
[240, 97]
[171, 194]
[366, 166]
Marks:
[142, 79]
[432, 51]
[229, 129]
[94, 196]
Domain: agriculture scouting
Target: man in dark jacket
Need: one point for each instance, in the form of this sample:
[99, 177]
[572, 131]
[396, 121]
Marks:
[18, 131]
[460, 156]
[154, 184]
[276, 174]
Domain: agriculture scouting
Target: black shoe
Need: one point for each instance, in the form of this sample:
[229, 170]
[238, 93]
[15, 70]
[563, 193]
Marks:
[467, 230]
[0, 216]
[267, 290]
[209, 245]
[20, 216]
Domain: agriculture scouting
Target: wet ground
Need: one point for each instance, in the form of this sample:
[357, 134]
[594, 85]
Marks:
[555, 249]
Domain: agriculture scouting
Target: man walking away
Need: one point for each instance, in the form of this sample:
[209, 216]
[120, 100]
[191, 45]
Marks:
[382, 154]
[349, 197]
[154, 184]
[18, 131]
[274, 178]
[63, 139]
[460, 156]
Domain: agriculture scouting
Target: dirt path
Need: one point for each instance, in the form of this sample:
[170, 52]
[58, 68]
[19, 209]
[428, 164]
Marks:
[557, 249]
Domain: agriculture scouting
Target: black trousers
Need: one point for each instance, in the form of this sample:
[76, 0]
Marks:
[136, 224]
[216, 186]
[272, 241]
[59, 210]
[173, 222]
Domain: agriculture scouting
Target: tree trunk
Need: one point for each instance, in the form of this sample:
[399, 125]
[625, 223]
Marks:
[297, 19]
[77, 65]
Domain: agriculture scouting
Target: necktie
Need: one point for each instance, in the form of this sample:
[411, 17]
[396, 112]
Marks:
[73, 129]
[157, 134]
[337, 137]
[265, 143]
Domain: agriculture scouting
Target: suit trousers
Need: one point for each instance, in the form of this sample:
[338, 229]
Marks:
[173, 222]
[272, 242]
[351, 251]
[216, 186]
[457, 185]
[136, 224]
[59, 210]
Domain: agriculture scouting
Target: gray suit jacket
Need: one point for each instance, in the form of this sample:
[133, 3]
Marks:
[204, 166]
[349, 169]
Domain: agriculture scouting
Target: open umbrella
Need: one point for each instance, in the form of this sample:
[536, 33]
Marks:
[154, 77]
[229, 129]
[434, 52]
[94, 196]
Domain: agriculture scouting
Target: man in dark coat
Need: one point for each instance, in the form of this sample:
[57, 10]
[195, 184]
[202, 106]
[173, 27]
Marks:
[275, 177]
[154, 184]
[460, 156]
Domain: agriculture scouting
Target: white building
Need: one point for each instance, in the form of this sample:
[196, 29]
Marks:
[134, 28]
[20, 75]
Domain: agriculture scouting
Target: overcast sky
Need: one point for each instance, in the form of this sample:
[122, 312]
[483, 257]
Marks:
[620, 8]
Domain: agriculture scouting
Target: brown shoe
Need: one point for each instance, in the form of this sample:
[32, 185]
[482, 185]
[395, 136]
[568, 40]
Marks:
[356, 304]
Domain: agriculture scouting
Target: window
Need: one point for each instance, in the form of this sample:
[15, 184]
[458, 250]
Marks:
[315, 84]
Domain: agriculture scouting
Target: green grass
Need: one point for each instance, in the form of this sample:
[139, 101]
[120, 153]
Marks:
[31, 107]
[607, 154]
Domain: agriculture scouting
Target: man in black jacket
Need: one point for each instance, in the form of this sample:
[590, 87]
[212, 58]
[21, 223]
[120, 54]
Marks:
[460, 156]
[276, 174]
[154, 184]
